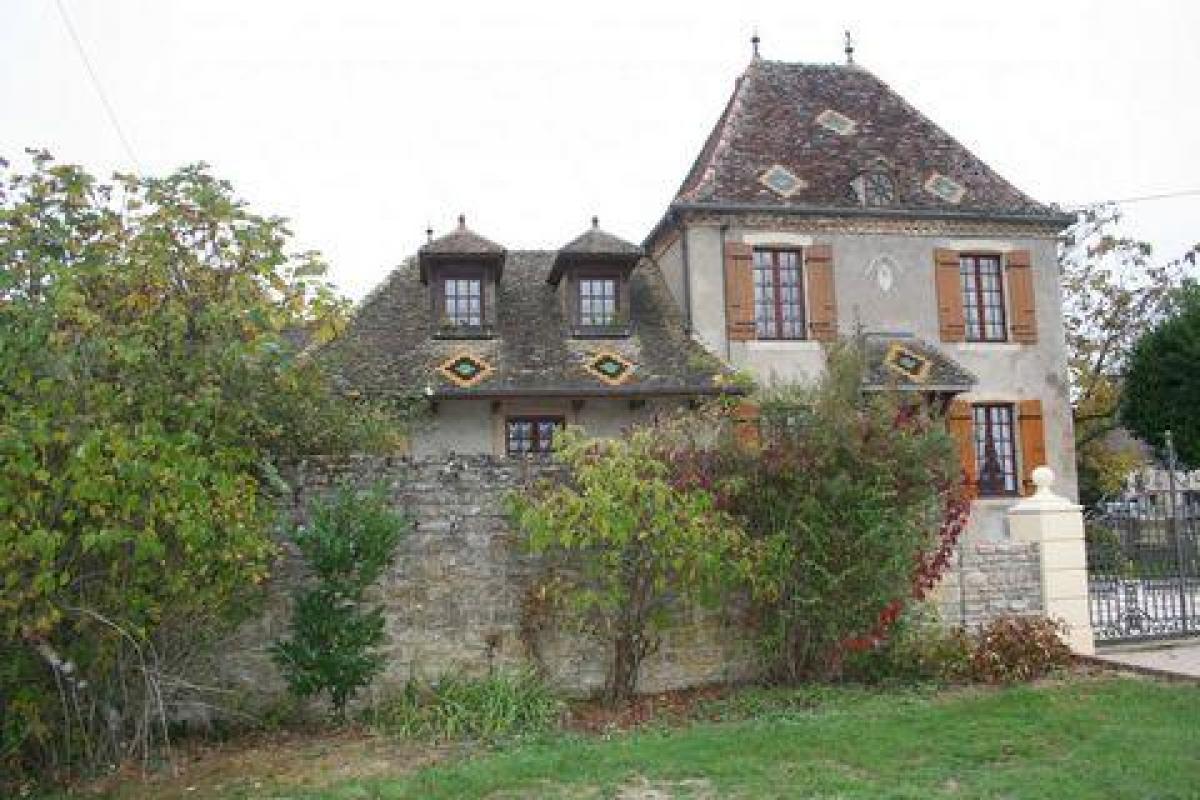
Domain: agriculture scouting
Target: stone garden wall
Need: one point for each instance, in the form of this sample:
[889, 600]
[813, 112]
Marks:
[454, 597]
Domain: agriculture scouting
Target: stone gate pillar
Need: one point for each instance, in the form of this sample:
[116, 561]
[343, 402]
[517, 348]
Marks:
[1056, 525]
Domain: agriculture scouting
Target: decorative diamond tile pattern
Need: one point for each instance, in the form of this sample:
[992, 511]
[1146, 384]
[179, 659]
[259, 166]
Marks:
[837, 122]
[907, 363]
[465, 370]
[945, 187]
[782, 181]
[611, 368]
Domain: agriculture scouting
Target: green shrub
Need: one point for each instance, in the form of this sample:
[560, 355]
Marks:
[501, 706]
[334, 635]
[1013, 649]
[627, 547]
[853, 505]
[919, 649]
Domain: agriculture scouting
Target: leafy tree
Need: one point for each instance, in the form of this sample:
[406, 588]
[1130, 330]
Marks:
[147, 384]
[854, 506]
[1163, 383]
[1113, 290]
[334, 638]
[630, 545]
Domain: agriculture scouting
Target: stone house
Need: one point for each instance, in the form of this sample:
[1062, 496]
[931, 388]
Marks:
[509, 345]
[821, 204]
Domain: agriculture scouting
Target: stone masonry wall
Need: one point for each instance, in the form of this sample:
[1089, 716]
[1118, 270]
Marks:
[454, 597]
[991, 579]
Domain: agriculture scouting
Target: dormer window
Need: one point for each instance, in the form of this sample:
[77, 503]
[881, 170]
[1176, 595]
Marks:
[592, 274]
[874, 187]
[599, 299]
[462, 298]
[878, 189]
[462, 270]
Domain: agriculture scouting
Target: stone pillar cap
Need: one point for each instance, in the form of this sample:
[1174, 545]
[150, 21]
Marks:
[1044, 499]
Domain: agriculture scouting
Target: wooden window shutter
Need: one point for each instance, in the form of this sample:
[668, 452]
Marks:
[747, 425]
[739, 291]
[822, 303]
[961, 428]
[951, 323]
[1020, 290]
[1033, 441]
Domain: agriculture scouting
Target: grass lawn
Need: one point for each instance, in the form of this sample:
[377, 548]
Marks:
[1082, 738]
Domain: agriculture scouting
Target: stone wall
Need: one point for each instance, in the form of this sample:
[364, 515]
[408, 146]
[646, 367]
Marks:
[991, 579]
[454, 597]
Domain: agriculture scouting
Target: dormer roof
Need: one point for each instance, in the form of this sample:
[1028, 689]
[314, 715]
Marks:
[462, 245]
[594, 246]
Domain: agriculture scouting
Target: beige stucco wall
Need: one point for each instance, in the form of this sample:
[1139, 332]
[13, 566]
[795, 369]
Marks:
[1007, 372]
[476, 427]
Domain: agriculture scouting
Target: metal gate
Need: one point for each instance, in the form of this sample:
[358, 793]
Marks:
[1143, 567]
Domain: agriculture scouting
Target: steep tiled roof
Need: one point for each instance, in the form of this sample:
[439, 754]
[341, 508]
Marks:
[389, 348]
[597, 246]
[461, 241]
[772, 119]
[595, 242]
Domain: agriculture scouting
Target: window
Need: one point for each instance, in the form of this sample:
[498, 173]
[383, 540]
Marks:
[878, 189]
[982, 283]
[530, 435]
[778, 295]
[598, 301]
[462, 296]
[995, 449]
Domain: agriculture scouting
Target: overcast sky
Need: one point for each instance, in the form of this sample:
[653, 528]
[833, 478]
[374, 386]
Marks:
[365, 121]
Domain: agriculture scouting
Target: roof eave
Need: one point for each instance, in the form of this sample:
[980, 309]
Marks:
[426, 259]
[563, 261]
[448, 393]
[973, 215]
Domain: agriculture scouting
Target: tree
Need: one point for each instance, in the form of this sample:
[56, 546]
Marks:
[1113, 290]
[147, 385]
[629, 547]
[333, 646]
[1163, 382]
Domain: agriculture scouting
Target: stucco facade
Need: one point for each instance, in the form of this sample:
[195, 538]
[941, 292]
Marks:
[884, 282]
[476, 426]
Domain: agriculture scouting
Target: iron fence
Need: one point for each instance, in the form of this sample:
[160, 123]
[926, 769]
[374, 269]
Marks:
[1143, 564]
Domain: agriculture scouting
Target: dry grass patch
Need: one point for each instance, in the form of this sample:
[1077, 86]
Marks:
[265, 765]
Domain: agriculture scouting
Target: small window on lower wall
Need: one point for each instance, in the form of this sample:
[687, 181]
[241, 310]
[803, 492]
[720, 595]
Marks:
[995, 449]
[530, 435]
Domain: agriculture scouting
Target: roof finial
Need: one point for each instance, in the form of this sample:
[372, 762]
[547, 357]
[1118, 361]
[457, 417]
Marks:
[754, 42]
[849, 48]
[462, 220]
[595, 221]
[428, 232]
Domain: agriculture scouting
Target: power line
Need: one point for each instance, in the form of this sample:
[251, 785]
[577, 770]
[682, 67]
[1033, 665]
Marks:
[87, 65]
[1142, 198]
